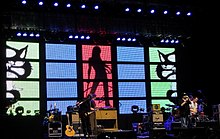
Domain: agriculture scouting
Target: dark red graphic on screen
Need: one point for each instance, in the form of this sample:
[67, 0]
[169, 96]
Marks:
[97, 69]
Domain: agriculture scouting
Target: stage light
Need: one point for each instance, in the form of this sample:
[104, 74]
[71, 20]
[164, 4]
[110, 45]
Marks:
[24, 2]
[165, 12]
[24, 34]
[178, 13]
[70, 36]
[18, 34]
[37, 35]
[177, 41]
[152, 11]
[139, 10]
[87, 37]
[118, 39]
[127, 9]
[129, 39]
[96, 7]
[134, 108]
[31, 35]
[167, 41]
[40, 3]
[189, 14]
[55, 4]
[83, 6]
[68, 5]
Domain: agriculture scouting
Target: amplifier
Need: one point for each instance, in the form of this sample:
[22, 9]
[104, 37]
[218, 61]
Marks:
[107, 119]
[157, 118]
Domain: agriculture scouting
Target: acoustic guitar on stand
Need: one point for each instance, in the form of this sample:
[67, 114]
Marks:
[70, 132]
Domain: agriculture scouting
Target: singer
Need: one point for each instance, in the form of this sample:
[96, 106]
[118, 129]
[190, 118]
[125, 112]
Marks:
[184, 110]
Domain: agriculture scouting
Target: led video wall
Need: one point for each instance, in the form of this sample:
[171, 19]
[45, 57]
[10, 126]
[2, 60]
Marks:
[163, 76]
[71, 71]
[22, 78]
[61, 76]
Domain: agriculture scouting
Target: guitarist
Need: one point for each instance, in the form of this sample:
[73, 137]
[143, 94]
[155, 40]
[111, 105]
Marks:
[85, 107]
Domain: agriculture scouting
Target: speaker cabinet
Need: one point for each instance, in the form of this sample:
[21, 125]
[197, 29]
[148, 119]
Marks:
[75, 117]
[158, 118]
[107, 119]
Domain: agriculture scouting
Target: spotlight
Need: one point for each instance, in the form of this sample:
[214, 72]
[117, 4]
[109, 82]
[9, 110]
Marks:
[134, 108]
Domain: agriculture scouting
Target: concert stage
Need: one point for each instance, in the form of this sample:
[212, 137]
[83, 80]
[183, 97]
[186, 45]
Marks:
[16, 127]
[160, 133]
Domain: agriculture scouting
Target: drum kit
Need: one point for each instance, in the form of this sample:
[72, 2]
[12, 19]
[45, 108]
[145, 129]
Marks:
[175, 114]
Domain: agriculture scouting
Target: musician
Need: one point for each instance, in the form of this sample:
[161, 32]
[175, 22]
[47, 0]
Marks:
[85, 107]
[193, 111]
[184, 110]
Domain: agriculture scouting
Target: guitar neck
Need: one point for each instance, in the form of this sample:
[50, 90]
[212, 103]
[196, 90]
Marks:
[68, 119]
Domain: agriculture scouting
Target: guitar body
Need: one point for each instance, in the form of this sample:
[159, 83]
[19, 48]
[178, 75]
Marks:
[69, 128]
[69, 131]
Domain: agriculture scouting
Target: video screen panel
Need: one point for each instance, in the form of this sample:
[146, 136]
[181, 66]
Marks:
[24, 108]
[162, 71]
[159, 89]
[132, 89]
[131, 71]
[159, 54]
[22, 50]
[130, 54]
[56, 70]
[125, 106]
[21, 64]
[61, 105]
[60, 51]
[61, 89]
[97, 70]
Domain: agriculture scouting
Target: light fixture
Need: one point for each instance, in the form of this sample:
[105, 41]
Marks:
[134, 109]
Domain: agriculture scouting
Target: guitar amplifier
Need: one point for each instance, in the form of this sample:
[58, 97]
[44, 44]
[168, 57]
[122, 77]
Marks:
[55, 129]
[107, 119]
[157, 118]
[75, 117]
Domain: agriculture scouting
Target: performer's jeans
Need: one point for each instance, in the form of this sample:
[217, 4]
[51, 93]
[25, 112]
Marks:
[184, 121]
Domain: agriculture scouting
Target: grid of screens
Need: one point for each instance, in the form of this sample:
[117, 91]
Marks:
[97, 71]
[163, 76]
[131, 78]
[96, 65]
[61, 75]
[22, 78]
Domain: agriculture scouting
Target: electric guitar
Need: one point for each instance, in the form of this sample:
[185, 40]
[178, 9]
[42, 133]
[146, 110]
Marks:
[69, 128]
[89, 113]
